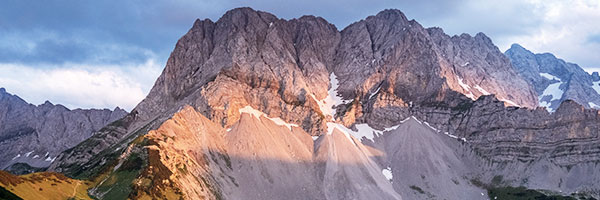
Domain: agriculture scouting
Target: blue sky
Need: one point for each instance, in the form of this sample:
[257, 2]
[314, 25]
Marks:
[103, 54]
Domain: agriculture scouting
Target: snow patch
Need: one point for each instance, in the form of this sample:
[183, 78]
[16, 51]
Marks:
[375, 93]
[46, 154]
[228, 129]
[596, 86]
[28, 153]
[466, 88]
[364, 130]
[553, 90]
[593, 105]
[437, 130]
[257, 114]
[464, 65]
[315, 138]
[387, 172]
[17, 156]
[368, 132]
[510, 102]
[50, 159]
[549, 76]
[333, 92]
[455, 137]
[483, 91]
[36, 156]
[413, 117]
[431, 127]
[327, 105]
[346, 131]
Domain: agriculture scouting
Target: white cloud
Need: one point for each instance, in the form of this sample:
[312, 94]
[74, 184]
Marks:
[80, 85]
[565, 29]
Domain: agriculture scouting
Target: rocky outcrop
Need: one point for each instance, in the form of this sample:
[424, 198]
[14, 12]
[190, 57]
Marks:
[555, 80]
[33, 136]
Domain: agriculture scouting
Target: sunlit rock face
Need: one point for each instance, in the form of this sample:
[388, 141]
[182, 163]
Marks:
[555, 80]
[31, 137]
[256, 107]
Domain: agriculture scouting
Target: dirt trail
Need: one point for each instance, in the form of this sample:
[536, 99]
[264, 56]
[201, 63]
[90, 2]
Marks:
[75, 190]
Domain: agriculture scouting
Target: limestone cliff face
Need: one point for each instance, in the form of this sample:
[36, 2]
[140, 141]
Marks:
[287, 67]
[372, 75]
[35, 135]
[283, 67]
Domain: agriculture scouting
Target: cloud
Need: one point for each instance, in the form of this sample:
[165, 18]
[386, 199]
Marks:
[567, 29]
[115, 41]
[81, 86]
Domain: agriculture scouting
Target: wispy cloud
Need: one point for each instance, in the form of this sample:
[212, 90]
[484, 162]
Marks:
[81, 86]
[566, 29]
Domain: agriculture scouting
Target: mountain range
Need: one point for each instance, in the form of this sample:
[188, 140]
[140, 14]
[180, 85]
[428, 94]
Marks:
[31, 137]
[257, 107]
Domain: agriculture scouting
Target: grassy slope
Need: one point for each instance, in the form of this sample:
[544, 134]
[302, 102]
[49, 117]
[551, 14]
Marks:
[44, 185]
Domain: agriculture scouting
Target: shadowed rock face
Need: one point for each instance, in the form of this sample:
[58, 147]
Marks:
[555, 80]
[378, 71]
[35, 135]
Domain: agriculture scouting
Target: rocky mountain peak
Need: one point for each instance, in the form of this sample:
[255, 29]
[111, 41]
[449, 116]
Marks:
[485, 39]
[118, 109]
[253, 100]
[47, 103]
[246, 18]
[595, 76]
[515, 47]
[569, 107]
[393, 15]
[554, 79]
[31, 137]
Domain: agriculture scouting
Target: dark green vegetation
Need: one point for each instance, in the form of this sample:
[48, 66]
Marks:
[417, 188]
[7, 195]
[23, 168]
[522, 193]
[118, 184]
[106, 158]
[498, 189]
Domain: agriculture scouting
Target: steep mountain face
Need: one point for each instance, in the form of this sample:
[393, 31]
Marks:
[555, 80]
[233, 112]
[32, 136]
[262, 157]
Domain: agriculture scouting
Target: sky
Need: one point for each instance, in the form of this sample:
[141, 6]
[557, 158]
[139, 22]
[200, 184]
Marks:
[104, 54]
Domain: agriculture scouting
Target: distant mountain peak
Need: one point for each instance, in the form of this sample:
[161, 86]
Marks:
[392, 14]
[43, 131]
[554, 79]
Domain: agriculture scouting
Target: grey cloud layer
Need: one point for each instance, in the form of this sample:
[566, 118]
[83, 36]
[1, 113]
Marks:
[124, 31]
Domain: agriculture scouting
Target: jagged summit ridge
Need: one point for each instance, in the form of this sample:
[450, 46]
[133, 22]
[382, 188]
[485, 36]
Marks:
[33, 136]
[250, 57]
[555, 80]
